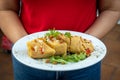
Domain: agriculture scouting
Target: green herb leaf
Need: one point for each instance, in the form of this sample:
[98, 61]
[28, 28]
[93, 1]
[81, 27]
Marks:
[53, 33]
[67, 34]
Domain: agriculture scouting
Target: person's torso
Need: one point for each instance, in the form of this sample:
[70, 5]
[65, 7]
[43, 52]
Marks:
[40, 15]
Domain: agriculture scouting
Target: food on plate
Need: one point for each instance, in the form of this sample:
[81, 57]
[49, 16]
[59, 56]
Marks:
[66, 38]
[57, 47]
[37, 48]
[75, 44]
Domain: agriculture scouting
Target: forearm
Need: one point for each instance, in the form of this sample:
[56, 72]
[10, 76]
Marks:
[11, 25]
[104, 23]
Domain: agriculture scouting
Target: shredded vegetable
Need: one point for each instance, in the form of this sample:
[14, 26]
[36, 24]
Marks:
[66, 59]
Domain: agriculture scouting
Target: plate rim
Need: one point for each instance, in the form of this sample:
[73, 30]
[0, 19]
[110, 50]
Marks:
[13, 51]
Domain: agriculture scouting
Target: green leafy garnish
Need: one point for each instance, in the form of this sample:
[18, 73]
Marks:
[67, 58]
[52, 33]
[67, 34]
[54, 59]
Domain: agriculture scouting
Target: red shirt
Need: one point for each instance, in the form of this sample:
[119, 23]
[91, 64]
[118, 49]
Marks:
[40, 15]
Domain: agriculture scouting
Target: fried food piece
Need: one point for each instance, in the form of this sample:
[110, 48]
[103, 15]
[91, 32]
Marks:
[87, 46]
[65, 39]
[58, 45]
[75, 44]
[39, 49]
[79, 44]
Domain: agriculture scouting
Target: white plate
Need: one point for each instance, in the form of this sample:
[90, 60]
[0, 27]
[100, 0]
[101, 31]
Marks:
[19, 51]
